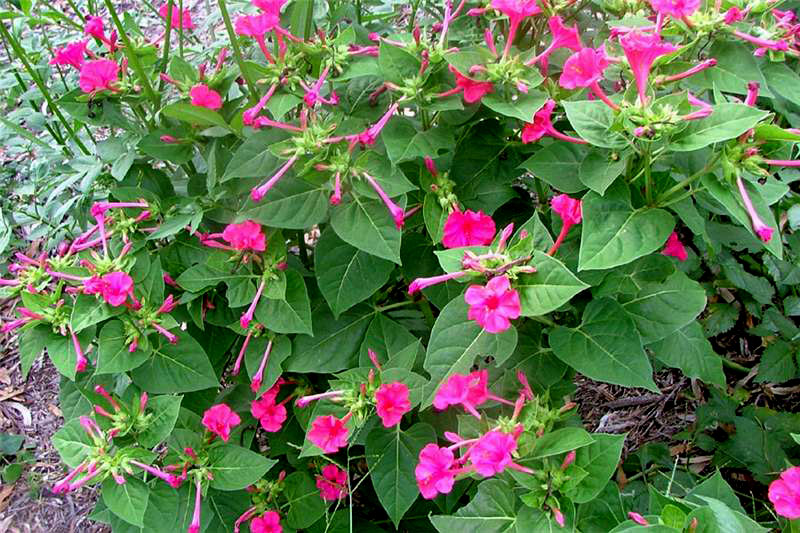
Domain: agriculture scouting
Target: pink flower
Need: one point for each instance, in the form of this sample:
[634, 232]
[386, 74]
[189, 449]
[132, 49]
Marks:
[468, 228]
[763, 231]
[642, 49]
[433, 472]
[734, 15]
[398, 215]
[675, 8]
[94, 28]
[178, 18]
[258, 193]
[674, 248]
[72, 55]
[220, 419]
[116, 287]
[312, 95]
[563, 37]
[516, 10]
[473, 90]
[269, 6]
[492, 453]
[423, 283]
[391, 402]
[256, 25]
[269, 522]
[329, 433]
[569, 209]
[98, 75]
[784, 493]
[493, 306]
[639, 519]
[583, 68]
[271, 415]
[202, 96]
[332, 484]
[245, 235]
[194, 527]
[543, 125]
[469, 391]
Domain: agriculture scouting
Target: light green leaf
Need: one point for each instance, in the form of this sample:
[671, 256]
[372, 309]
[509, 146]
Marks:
[113, 353]
[492, 510]
[689, 350]
[175, 368]
[560, 441]
[289, 315]
[523, 107]
[305, 504]
[335, 344]
[403, 141]
[550, 287]
[726, 122]
[128, 501]
[558, 165]
[593, 120]
[235, 468]
[199, 116]
[165, 410]
[600, 460]
[367, 225]
[292, 203]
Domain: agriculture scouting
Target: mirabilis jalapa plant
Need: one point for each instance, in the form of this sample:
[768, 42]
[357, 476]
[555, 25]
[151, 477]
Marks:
[192, 327]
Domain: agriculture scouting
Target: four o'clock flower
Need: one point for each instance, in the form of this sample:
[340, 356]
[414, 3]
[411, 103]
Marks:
[395, 210]
[569, 209]
[313, 95]
[492, 453]
[639, 519]
[563, 37]
[72, 55]
[98, 75]
[516, 11]
[257, 26]
[784, 493]
[329, 433]
[675, 8]
[473, 90]
[469, 391]
[434, 471]
[247, 316]
[80, 361]
[493, 306]
[391, 403]
[585, 69]
[194, 527]
[543, 125]
[332, 484]
[116, 288]
[675, 248]
[255, 383]
[642, 49]
[423, 283]
[220, 419]
[468, 228]
[258, 193]
[763, 231]
[177, 18]
[202, 96]
[269, 522]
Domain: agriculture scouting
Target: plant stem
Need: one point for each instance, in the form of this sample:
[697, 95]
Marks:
[167, 37]
[22, 56]
[133, 58]
[648, 178]
[76, 10]
[393, 306]
[425, 307]
[735, 366]
[237, 51]
[681, 185]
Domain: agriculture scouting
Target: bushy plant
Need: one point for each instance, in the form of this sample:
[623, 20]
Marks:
[314, 270]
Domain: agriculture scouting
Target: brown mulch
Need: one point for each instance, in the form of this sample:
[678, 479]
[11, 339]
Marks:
[30, 408]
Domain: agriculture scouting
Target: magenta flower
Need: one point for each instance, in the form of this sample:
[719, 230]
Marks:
[569, 209]
[493, 306]
[178, 18]
[675, 8]
[312, 95]
[563, 37]
[257, 26]
[391, 403]
[468, 228]
[194, 527]
[220, 419]
[270, 415]
[585, 69]
[734, 15]
[543, 125]
[269, 522]
[329, 433]
[395, 210]
[258, 193]
[332, 484]
[434, 471]
[94, 28]
[98, 75]
[763, 231]
[473, 90]
[202, 96]
[245, 235]
[80, 359]
[675, 248]
[784, 493]
[516, 11]
[492, 453]
[72, 55]
[255, 383]
[171, 479]
[423, 283]
[116, 287]
[642, 49]
[639, 519]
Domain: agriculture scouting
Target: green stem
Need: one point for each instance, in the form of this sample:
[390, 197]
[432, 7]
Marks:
[237, 51]
[22, 56]
[735, 366]
[167, 37]
[133, 58]
[413, 18]
[648, 178]
[180, 29]
[393, 306]
[309, 20]
[425, 307]
[76, 10]
[688, 181]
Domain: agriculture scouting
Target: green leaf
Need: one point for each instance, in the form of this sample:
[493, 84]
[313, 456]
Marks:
[291, 314]
[560, 441]
[235, 468]
[558, 164]
[600, 460]
[777, 363]
[72, 443]
[88, 311]
[614, 233]
[593, 120]
[335, 344]
[599, 170]
[549, 288]
[305, 504]
[347, 275]
[195, 115]
[662, 308]
[783, 80]
[689, 350]
[735, 68]
[175, 368]
[62, 351]
[455, 343]
[199, 277]
[177, 153]
[523, 107]
[434, 217]
[367, 225]
[726, 122]
[253, 159]
[31, 344]
[605, 347]
[113, 355]
[403, 141]
[292, 203]
[716, 487]
[128, 501]
[387, 339]
[397, 64]
[165, 410]
[492, 510]
[392, 455]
